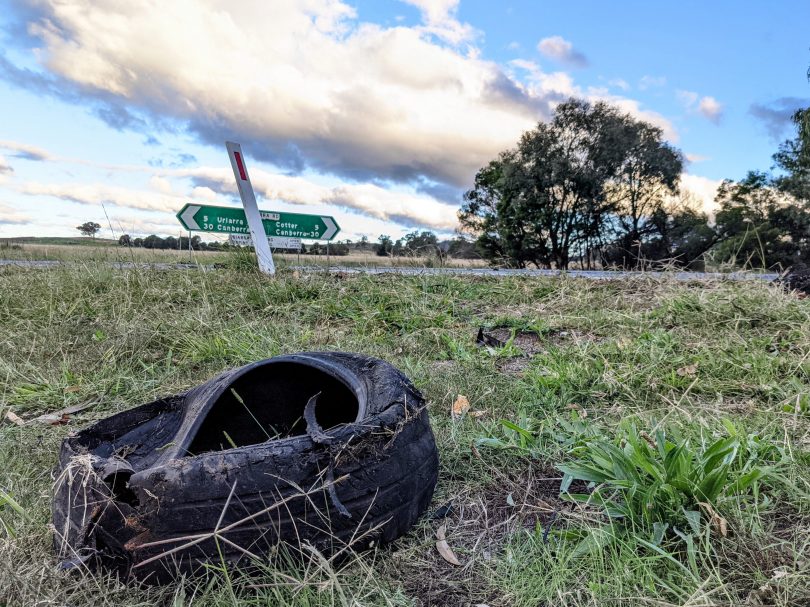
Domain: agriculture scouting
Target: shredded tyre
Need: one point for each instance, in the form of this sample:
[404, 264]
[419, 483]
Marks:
[321, 451]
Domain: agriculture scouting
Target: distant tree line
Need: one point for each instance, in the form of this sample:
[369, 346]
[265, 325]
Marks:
[170, 242]
[426, 244]
[597, 186]
[415, 244]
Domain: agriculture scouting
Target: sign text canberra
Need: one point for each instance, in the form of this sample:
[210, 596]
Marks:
[231, 220]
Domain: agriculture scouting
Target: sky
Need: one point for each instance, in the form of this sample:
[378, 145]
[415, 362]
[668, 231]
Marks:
[377, 112]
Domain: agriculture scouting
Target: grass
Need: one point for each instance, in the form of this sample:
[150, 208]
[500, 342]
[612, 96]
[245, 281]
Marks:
[609, 356]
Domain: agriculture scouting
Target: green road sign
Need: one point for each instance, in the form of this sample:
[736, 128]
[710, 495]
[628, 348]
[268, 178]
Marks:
[232, 220]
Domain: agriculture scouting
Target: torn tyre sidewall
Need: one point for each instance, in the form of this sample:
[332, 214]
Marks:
[161, 489]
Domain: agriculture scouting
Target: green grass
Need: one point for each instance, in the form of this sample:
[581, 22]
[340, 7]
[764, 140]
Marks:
[609, 354]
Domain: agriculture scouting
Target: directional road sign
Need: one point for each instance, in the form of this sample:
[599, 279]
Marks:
[232, 220]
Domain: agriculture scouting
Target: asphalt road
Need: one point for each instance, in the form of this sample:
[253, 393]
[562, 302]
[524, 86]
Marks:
[408, 271]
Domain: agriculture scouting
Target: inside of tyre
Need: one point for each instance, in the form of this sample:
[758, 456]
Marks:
[267, 403]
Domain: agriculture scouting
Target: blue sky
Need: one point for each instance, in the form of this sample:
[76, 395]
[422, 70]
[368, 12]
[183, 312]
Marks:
[376, 112]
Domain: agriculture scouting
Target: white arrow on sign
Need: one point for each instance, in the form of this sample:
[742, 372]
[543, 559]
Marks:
[331, 228]
[188, 217]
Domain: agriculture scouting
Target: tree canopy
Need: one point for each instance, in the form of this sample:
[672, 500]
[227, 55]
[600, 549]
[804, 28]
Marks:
[89, 228]
[590, 177]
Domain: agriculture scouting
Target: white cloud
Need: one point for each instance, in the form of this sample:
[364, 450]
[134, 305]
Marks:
[440, 20]
[619, 83]
[5, 168]
[560, 86]
[25, 151]
[707, 106]
[311, 87]
[648, 82]
[560, 49]
[703, 188]
[203, 193]
[694, 158]
[711, 109]
[160, 184]
[12, 216]
[102, 193]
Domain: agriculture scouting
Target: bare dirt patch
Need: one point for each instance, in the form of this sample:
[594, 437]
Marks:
[479, 524]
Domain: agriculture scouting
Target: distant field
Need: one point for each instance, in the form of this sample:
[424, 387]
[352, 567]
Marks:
[583, 366]
[86, 250]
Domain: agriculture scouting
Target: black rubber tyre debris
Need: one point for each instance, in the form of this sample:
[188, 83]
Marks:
[323, 449]
[797, 279]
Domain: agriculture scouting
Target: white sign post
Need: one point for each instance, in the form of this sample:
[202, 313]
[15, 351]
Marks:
[263, 253]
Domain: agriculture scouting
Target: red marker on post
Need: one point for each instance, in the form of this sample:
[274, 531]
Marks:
[254, 219]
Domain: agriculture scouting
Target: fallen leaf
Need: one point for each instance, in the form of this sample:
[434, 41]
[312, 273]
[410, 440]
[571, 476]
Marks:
[53, 419]
[460, 406]
[14, 418]
[688, 370]
[70, 389]
[479, 413]
[444, 548]
[718, 522]
[63, 415]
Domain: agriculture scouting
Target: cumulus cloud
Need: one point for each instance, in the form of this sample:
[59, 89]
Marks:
[439, 17]
[559, 86]
[560, 49]
[707, 106]
[290, 87]
[703, 189]
[160, 184]
[776, 115]
[711, 109]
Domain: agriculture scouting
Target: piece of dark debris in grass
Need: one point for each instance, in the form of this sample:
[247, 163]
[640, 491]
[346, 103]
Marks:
[797, 279]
